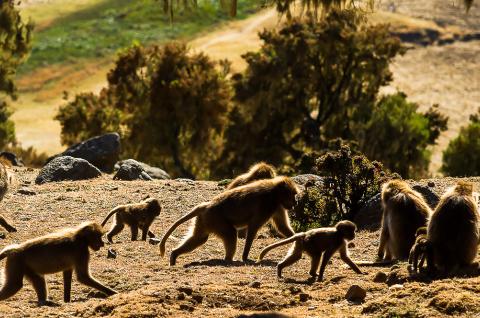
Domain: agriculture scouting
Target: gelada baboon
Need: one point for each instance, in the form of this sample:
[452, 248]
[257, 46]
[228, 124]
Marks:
[453, 230]
[249, 206]
[315, 243]
[404, 211]
[256, 172]
[66, 250]
[419, 250]
[136, 216]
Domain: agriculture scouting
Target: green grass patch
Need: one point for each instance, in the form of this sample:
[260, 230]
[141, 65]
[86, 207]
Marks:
[102, 29]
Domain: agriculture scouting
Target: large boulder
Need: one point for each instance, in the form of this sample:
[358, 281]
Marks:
[67, 168]
[154, 172]
[12, 158]
[101, 151]
[131, 170]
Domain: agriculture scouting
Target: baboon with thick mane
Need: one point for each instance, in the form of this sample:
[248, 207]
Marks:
[136, 216]
[453, 230]
[249, 206]
[315, 243]
[258, 171]
[66, 251]
[404, 211]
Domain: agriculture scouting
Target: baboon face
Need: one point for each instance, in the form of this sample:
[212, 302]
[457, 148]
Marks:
[287, 194]
[347, 229]
[154, 206]
[93, 233]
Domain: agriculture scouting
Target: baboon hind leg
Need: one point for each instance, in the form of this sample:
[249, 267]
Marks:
[314, 265]
[197, 238]
[251, 235]
[117, 228]
[6, 225]
[134, 231]
[13, 281]
[228, 234]
[40, 286]
[293, 256]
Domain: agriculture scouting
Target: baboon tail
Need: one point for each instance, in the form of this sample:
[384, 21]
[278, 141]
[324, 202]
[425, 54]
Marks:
[376, 263]
[115, 210]
[8, 251]
[190, 215]
[270, 247]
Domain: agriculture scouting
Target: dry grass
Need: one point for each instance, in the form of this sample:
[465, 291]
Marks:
[150, 288]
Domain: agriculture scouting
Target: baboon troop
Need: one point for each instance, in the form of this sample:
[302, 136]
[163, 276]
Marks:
[445, 240]
[317, 243]
[404, 211]
[249, 206]
[136, 216]
[65, 251]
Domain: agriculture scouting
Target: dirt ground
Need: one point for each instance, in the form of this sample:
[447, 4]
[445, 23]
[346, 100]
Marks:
[200, 285]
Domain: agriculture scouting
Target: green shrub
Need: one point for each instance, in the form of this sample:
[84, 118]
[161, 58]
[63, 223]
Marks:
[462, 156]
[168, 104]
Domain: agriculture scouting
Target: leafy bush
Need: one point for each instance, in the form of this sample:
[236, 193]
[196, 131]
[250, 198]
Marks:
[14, 46]
[462, 156]
[169, 106]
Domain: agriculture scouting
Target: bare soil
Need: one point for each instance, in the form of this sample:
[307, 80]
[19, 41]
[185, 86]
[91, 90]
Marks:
[201, 285]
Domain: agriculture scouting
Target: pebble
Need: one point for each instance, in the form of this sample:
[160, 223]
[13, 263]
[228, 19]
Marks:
[380, 277]
[356, 293]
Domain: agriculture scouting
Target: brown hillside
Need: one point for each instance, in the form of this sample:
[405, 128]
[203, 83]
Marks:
[150, 288]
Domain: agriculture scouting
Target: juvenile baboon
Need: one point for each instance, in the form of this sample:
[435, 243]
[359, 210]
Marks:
[4, 184]
[136, 216]
[66, 250]
[404, 211]
[453, 230]
[256, 172]
[249, 206]
[419, 250]
[315, 243]
[6, 224]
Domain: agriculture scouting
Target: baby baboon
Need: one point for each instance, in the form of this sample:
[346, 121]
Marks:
[315, 243]
[250, 206]
[6, 224]
[66, 250]
[420, 250]
[256, 172]
[453, 230]
[404, 211]
[136, 216]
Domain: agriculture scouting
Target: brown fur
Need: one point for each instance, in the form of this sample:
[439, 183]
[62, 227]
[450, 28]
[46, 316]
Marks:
[453, 230]
[6, 224]
[136, 216]
[66, 250]
[404, 211]
[249, 206]
[315, 243]
[420, 250]
[256, 172]
[4, 184]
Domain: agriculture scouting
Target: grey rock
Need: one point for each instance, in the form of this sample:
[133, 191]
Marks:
[131, 170]
[154, 172]
[302, 179]
[101, 151]
[67, 168]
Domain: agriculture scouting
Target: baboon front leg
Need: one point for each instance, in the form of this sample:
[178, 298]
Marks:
[134, 230]
[146, 231]
[150, 234]
[116, 228]
[251, 235]
[281, 223]
[6, 225]
[344, 256]
[314, 265]
[13, 280]
[383, 240]
[293, 256]
[40, 286]
[67, 285]
[84, 277]
[197, 238]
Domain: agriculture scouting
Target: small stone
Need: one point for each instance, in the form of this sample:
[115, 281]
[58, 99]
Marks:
[356, 294]
[396, 287]
[380, 277]
[154, 241]
[111, 253]
[312, 308]
[186, 290]
[197, 298]
[431, 184]
[303, 297]
[186, 307]
[181, 296]
[255, 284]
[26, 191]
[351, 245]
